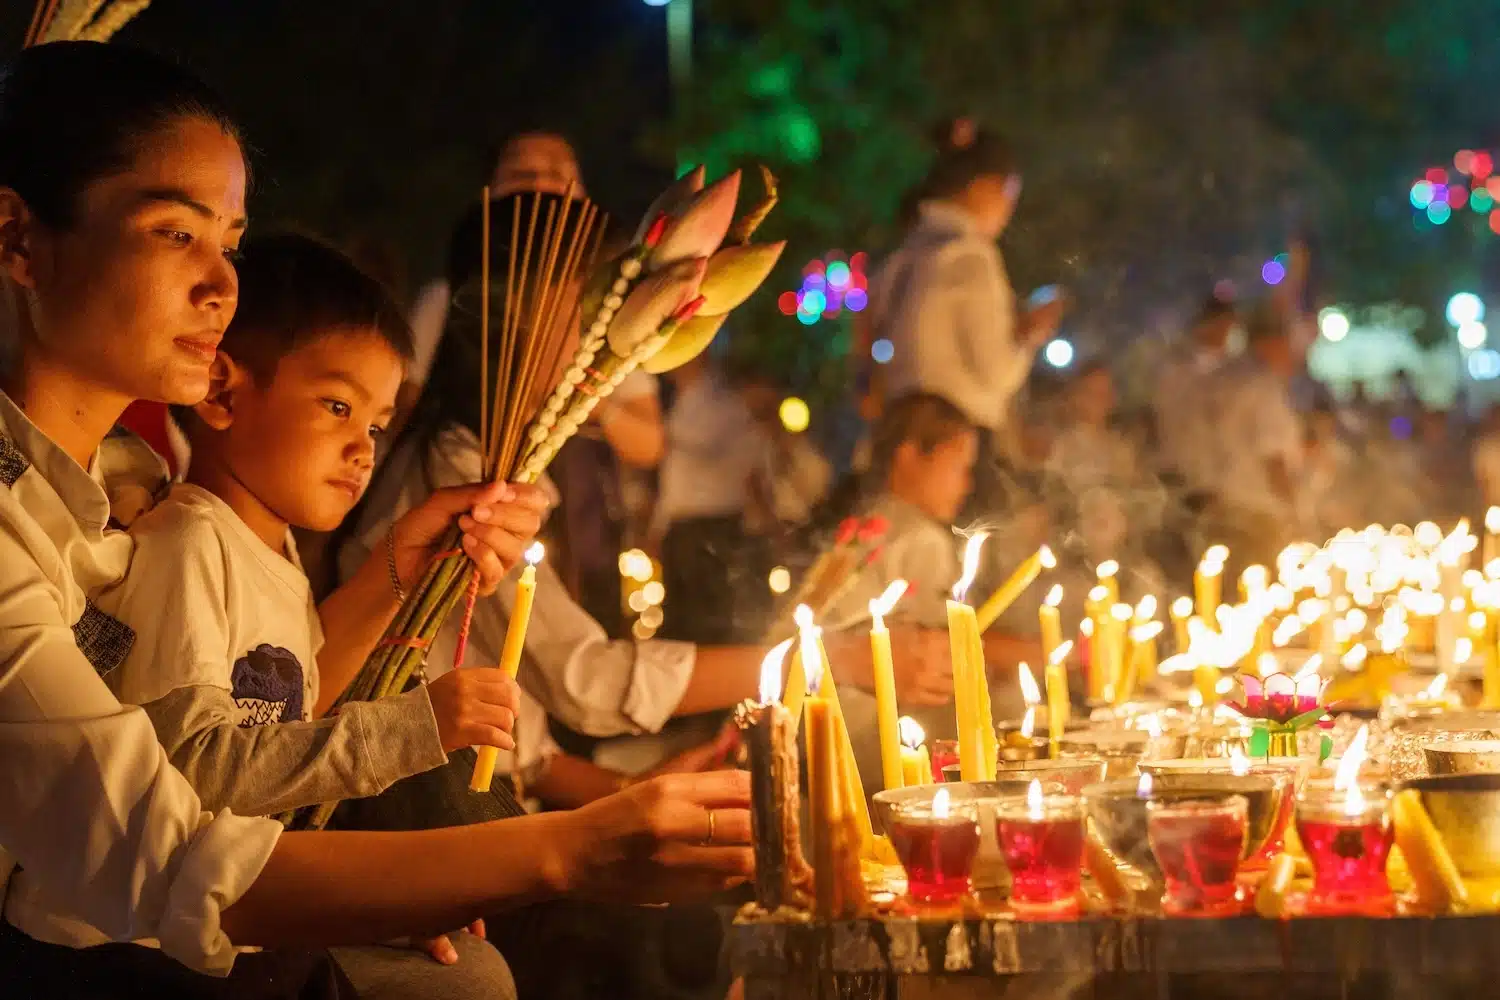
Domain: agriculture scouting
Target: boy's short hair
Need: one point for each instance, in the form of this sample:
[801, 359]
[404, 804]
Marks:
[924, 419]
[958, 167]
[293, 289]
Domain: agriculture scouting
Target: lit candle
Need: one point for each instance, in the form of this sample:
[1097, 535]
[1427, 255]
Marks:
[811, 652]
[1011, 589]
[1207, 581]
[510, 657]
[1140, 661]
[916, 768]
[885, 684]
[1108, 574]
[775, 798]
[1114, 631]
[1051, 620]
[1347, 837]
[1144, 648]
[823, 783]
[967, 674]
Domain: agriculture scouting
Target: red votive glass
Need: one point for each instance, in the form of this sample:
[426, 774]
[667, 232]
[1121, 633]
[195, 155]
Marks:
[1197, 844]
[944, 753]
[1041, 839]
[937, 848]
[1347, 837]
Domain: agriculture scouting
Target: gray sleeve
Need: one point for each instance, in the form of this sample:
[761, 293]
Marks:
[265, 770]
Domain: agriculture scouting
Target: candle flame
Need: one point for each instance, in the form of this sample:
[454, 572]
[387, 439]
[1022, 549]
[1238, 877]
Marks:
[1143, 787]
[883, 605]
[1145, 608]
[1035, 801]
[1086, 627]
[971, 564]
[807, 636]
[1028, 723]
[1266, 663]
[1046, 558]
[1476, 620]
[1030, 693]
[910, 731]
[1060, 654]
[1224, 685]
[1195, 697]
[534, 553]
[1439, 683]
[1152, 725]
[1239, 764]
[1347, 774]
[1216, 554]
[1255, 578]
[1182, 607]
[1428, 535]
[1492, 520]
[1099, 595]
[770, 672]
[1146, 632]
[1463, 649]
[1054, 596]
[1121, 612]
[1492, 569]
[1107, 569]
[940, 806]
[1355, 658]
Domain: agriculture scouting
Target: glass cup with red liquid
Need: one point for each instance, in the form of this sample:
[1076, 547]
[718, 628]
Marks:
[937, 841]
[1041, 839]
[1347, 835]
[1197, 844]
[944, 754]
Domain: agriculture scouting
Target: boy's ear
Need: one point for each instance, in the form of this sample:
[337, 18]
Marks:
[225, 380]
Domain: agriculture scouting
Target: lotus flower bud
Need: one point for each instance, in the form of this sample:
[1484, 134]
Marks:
[669, 202]
[652, 303]
[699, 229]
[734, 273]
[689, 340]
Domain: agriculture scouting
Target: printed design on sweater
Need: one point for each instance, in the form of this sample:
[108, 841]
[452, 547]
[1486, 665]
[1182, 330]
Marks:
[266, 684]
[104, 640]
[13, 464]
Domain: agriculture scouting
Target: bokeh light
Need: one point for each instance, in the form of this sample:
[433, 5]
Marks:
[1457, 197]
[1463, 160]
[1272, 272]
[1421, 194]
[1481, 201]
[838, 274]
[1437, 175]
[1058, 353]
[1471, 336]
[795, 416]
[856, 300]
[1464, 307]
[882, 351]
[1438, 212]
[780, 580]
[1484, 365]
[1333, 324]
[1481, 166]
[654, 592]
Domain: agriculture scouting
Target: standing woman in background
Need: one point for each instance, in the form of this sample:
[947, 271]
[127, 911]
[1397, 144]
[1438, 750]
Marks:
[122, 199]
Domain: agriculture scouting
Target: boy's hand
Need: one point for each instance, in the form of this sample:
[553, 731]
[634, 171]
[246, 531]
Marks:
[498, 520]
[708, 756]
[475, 706]
[923, 664]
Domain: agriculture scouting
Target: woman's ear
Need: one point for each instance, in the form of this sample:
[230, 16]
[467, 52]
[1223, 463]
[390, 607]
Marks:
[16, 225]
[225, 379]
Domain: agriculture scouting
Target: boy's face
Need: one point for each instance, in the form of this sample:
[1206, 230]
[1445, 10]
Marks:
[940, 480]
[304, 444]
[1094, 397]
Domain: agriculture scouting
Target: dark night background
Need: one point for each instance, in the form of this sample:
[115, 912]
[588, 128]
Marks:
[1167, 143]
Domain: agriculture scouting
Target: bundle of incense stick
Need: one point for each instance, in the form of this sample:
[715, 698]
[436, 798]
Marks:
[833, 573]
[80, 20]
[651, 304]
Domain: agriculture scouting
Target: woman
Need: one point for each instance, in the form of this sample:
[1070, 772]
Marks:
[122, 189]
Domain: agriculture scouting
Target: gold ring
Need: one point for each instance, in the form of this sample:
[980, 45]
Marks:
[710, 838]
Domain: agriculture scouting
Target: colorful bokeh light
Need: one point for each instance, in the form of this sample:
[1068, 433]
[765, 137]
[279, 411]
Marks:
[1438, 212]
[1272, 272]
[1421, 194]
[830, 285]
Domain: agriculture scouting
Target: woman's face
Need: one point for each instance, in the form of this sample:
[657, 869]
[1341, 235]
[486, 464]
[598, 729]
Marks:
[133, 298]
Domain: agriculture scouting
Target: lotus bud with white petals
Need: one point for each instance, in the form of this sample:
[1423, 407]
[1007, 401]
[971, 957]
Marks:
[651, 303]
[670, 202]
[688, 341]
[698, 230]
[734, 273]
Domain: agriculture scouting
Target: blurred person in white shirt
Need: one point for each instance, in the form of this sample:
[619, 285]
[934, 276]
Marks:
[1183, 397]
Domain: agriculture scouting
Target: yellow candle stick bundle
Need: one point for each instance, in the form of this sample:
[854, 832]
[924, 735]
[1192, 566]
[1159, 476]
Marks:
[1001, 600]
[885, 684]
[510, 657]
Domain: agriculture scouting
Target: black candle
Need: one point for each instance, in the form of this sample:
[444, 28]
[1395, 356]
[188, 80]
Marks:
[782, 875]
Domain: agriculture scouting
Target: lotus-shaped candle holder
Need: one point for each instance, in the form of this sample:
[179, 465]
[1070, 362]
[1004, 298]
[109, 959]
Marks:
[1280, 707]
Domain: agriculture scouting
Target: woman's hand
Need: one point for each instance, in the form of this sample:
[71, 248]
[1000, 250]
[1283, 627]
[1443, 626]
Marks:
[677, 837]
[498, 521]
[704, 757]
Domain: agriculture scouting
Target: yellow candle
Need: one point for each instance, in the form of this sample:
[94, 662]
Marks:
[1145, 643]
[1139, 662]
[852, 797]
[1051, 620]
[1206, 682]
[1059, 704]
[885, 684]
[1491, 550]
[1207, 582]
[962, 624]
[1011, 589]
[510, 657]
[989, 741]
[913, 753]
[924, 765]
[1182, 610]
[1108, 574]
[1116, 629]
[823, 801]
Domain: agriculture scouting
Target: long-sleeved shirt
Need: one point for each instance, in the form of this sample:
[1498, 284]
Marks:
[944, 302]
[581, 677]
[91, 808]
[713, 448]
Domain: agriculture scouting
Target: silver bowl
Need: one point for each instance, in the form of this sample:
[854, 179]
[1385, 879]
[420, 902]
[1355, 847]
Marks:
[1072, 773]
[1465, 808]
[1467, 757]
[1118, 811]
[884, 803]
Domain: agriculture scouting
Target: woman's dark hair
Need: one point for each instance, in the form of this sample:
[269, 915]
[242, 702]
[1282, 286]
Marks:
[74, 112]
[959, 166]
[924, 419]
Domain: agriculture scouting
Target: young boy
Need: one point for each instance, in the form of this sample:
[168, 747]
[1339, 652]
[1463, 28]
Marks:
[922, 458]
[232, 661]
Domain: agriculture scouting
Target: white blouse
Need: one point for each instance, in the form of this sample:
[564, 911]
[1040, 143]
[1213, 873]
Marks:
[92, 812]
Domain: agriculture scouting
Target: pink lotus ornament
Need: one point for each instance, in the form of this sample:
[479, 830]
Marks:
[1282, 706]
